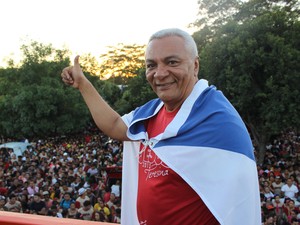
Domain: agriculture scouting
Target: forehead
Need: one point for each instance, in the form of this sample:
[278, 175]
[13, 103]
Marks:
[165, 47]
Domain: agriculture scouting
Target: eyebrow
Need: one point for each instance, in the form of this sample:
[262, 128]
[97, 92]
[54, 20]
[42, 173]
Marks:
[164, 59]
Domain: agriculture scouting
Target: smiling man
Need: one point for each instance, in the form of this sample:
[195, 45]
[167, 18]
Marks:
[188, 158]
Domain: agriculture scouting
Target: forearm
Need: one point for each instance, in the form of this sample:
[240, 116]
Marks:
[107, 120]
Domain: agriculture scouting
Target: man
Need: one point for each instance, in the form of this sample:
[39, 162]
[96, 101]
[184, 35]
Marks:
[32, 188]
[13, 205]
[37, 206]
[289, 190]
[269, 220]
[188, 158]
[82, 197]
[48, 201]
[277, 185]
[115, 188]
[66, 201]
[86, 211]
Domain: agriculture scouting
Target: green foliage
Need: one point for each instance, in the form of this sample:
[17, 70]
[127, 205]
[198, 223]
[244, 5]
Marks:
[35, 102]
[256, 64]
[33, 99]
[137, 92]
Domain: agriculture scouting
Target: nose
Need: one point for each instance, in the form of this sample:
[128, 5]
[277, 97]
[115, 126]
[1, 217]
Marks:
[161, 71]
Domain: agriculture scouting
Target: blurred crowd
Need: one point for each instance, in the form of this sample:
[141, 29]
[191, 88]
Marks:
[279, 179]
[69, 177]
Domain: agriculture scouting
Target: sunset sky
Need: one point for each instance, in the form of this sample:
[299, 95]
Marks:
[88, 26]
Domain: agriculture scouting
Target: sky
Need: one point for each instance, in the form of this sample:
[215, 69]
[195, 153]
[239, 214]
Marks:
[88, 26]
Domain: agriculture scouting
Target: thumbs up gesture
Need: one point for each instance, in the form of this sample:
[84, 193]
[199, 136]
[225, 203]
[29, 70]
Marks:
[73, 75]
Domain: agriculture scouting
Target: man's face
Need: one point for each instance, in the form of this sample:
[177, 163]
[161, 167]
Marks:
[289, 182]
[36, 198]
[13, 200]
[86, 208]
[171, 70]
[67, 196]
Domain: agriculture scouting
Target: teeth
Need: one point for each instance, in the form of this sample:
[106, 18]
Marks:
[163, 84]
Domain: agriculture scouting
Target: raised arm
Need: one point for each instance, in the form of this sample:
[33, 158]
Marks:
[108, 120]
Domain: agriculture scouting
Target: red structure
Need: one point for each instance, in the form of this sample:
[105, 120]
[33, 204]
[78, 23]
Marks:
[9, 218]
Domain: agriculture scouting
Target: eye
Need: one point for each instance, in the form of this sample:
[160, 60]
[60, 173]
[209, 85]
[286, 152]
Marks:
[172, 62]
[150, 65]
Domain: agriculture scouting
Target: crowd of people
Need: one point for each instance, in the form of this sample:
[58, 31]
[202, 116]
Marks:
[64, 177]
[68, 178]
[279, 179]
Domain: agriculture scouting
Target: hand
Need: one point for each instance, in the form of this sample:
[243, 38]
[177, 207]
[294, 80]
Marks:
[73, 75]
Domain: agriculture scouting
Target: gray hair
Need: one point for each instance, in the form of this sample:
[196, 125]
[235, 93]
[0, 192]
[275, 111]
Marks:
[188, 39]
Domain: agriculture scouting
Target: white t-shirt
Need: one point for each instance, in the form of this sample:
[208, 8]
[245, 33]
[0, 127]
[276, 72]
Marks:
[116, 190]
[289, 191]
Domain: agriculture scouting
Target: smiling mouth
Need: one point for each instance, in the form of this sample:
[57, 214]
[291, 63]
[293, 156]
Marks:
[165, 84]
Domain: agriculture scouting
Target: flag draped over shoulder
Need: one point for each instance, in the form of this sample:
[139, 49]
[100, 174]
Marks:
[208, 145]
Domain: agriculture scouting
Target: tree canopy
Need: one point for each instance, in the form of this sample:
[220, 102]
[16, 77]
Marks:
[122, 62]
[253, 60]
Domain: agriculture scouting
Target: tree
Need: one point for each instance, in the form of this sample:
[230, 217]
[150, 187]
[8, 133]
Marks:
[34, 101]
[214, 14]
[90, 65]
[122, 62]
[255, 64]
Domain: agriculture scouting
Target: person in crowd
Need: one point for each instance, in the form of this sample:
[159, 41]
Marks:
[112, 201]
[157, 132]
[270, 220]
[278, 204]
[32, 188]
[116, 188]
[82, 197]
[72, 211]
[37, 206]
[91, 195]
[65, 189]
[289, 190]
[268, 193]
[100, 216]
[54, 212]
[116, 218]
[100, 206]
[290, 210]
[92, 171]
[277, 185]
[13, 205]
[106, 194]
[66, 201]
[76, 184]
[86, 211]
[2, 203]
[47, 200]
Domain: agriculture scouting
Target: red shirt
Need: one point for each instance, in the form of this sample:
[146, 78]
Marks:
[163, 196]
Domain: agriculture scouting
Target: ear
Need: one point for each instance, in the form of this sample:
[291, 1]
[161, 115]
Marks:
[196, 66]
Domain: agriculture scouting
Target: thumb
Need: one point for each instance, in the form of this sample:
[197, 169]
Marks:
[76, 62]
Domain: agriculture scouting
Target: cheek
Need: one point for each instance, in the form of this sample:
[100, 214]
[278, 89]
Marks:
[149, 77]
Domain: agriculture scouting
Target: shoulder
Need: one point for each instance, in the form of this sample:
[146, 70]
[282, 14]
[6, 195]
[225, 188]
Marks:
[143, 111]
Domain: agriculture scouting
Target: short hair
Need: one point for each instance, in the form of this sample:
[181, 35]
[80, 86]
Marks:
[12, 196]
[86, 203]
[188, 39]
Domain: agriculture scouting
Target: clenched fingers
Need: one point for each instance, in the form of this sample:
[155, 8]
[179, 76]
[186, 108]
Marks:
[66, 75]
